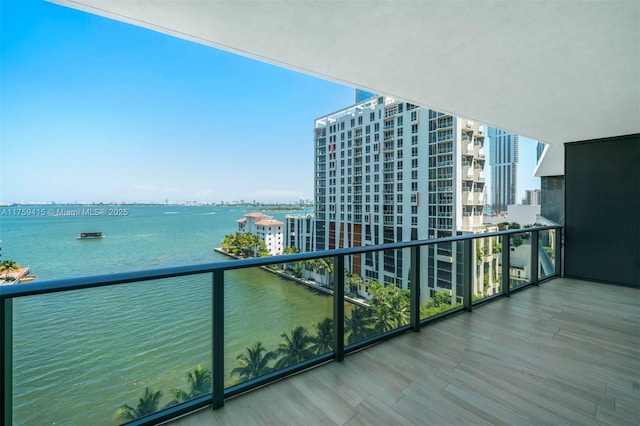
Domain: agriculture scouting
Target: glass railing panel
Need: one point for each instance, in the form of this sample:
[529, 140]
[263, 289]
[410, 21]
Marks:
[487, 261]
[111, 354]
[381, 302]
[274, 319]
[361, 274]
[441, 278]
[520, 259]
[546, 253]
[384, 305]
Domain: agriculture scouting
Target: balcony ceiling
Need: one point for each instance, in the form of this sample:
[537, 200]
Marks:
[552, 71]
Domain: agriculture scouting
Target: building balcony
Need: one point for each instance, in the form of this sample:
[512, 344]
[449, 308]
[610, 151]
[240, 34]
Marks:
[542, 355]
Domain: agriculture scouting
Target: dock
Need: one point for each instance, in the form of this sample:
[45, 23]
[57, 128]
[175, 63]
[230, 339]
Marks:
[17, 276]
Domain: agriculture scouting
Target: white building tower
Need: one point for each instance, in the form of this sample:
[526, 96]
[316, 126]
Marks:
[387, 171]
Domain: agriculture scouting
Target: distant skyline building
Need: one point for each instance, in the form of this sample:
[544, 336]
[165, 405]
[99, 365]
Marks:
[503, 163]
[539, 150]
[388, 171]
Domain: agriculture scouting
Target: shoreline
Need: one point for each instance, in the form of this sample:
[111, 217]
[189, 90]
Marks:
[17, 275]
[308, 283]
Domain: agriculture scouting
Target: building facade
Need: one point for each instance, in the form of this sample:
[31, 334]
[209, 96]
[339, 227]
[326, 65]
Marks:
[386, 171]
[267, 228]
[299, 231]
[532, 197]
[503, 160]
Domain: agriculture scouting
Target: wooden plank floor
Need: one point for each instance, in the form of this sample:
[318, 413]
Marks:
[566, 352]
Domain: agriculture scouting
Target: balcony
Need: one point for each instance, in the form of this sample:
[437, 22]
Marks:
[519, 359]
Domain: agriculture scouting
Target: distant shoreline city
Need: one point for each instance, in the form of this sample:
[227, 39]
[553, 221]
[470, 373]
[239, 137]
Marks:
[269, 205]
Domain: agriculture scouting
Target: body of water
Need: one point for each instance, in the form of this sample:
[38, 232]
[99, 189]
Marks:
[80, 355]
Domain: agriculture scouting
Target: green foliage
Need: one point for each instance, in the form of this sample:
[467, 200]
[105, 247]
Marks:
[516, 241]
[199, 381]
[294, 348]
[244, 244]
[323, 340]
[359, 326]
[323, 266]
[7, 266]
[439, 303]
[441, 298]
[148, 403]
[297, 270]
[254, 363]
[390, 306]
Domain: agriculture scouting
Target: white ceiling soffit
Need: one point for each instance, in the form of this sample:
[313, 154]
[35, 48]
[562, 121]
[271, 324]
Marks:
[556, 71]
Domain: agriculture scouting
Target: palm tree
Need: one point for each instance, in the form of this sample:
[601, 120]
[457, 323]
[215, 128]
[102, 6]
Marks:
[7, 266]
[254, 363]
[199, 381]
[294, 349]
[400, 309]
[323, 340]
[147, 404]
[384, 319]
[359, 326]
[356, 281]
[325, 267]
[289, 250]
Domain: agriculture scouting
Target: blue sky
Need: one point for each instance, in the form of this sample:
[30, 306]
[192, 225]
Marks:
[97, 110]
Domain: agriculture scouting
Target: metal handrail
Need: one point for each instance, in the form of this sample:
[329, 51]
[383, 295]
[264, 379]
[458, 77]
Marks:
[79, 283]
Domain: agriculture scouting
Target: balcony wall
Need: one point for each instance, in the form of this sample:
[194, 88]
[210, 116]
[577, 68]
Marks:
[602, 207]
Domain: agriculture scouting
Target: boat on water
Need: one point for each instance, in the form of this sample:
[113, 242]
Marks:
[90, 235]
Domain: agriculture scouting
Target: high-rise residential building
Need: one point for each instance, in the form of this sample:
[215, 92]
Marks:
[503, 160]
[386, 171]
[532, 197]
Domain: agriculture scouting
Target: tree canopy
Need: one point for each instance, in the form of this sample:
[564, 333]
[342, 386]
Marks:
[244, 244]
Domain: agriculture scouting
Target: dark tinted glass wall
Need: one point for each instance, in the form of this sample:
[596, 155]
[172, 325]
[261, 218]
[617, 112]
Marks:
[602, 210]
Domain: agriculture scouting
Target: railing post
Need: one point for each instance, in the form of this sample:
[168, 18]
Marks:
[415, 288]
[558, 251]
[467, 265]
[6, 357]
[505, 264]
[534, 257]
[217, 296]
[338, 307]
